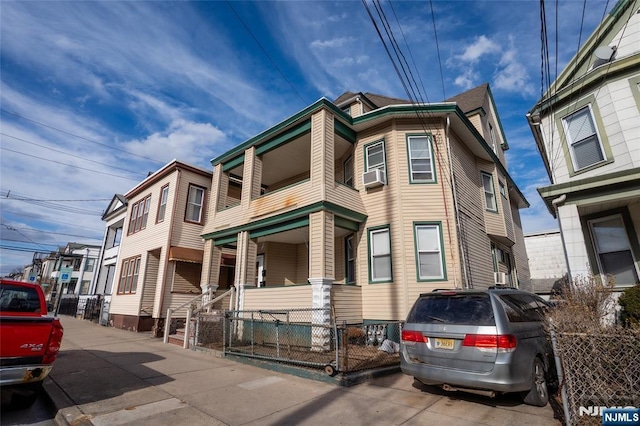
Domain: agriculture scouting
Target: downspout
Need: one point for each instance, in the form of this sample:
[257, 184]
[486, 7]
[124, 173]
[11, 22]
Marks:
[166, 254]
[556, 203]
[455, 207]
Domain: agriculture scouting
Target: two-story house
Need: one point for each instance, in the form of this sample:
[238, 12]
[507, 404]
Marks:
[103, 283]
[161, 250]
[73, 269]
[587, 130]
[363, 203]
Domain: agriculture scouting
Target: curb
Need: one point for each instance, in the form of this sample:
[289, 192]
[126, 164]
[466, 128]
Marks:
[67, 413]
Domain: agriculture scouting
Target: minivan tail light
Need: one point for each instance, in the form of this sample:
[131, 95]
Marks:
[414, 336]
[501, 342]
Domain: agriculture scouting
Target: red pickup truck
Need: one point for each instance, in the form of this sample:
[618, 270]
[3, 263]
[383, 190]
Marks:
[29, 340]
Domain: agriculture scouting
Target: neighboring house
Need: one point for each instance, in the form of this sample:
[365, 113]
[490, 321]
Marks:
[547, 264]
[363, 203]
[587, 129]
[75, 262]
[161, 250]
[103, 283]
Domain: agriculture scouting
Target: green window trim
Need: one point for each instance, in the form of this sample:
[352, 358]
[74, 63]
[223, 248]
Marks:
[560, 116]
[443, 263]
[370, 231]
[429, 137]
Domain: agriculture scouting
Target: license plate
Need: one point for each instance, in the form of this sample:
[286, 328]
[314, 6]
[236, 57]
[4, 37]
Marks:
[444, 343]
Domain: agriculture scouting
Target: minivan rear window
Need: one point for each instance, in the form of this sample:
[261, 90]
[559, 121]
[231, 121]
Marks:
[465, 309]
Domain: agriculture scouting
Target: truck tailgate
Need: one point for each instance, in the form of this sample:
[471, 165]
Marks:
[24, 336]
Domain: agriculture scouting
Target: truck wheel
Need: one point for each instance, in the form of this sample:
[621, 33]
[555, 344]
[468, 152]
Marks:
[25, 395]
[538, 395]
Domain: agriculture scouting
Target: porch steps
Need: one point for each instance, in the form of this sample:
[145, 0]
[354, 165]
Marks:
[177, 338]
[213, 316]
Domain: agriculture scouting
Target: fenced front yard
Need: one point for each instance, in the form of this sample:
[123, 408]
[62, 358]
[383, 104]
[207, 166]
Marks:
[303, 337]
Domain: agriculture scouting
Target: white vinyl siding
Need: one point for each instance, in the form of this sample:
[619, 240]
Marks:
[489, 192]
[380, 255]
[420, 159]
[582, 137]
[429, 252]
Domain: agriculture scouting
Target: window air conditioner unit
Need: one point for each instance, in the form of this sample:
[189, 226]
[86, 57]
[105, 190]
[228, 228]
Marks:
[500, 278]
[374, 178]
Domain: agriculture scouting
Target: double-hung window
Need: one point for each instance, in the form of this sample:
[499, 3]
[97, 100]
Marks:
[374, 156]
[612, 249]
[350, 259]
[489, 192]
[162, 208]
[582, 137]
[195, 200]
[129, 275]
[420, 159]
[139, 215]
[380, 254]
[429, 254]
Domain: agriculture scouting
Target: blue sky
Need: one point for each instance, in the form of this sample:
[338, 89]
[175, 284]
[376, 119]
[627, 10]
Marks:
[94, 95]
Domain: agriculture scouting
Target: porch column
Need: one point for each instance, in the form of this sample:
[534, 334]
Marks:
[251, 177]
[574, 243]
[321, 274]
[219, 190]
[246, 252]
[322, 152]
[211, 261]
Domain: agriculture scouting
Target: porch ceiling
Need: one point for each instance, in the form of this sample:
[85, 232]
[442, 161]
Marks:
[298, 236]
[604, 206]
[291, 159]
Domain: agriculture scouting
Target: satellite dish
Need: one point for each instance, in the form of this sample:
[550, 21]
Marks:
[605, 52]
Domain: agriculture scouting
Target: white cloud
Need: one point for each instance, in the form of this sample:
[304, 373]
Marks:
[467, 80]
[480, 47]
[331, 44]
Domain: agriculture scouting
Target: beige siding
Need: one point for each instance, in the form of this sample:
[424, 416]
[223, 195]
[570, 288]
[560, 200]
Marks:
[289, 181]
[186, 234]
[507, 213]
[339, 260]
[302, 267]
[475, 244]
[291, 297]
[520, 253]
[494, 221]
[148, 281]
[347, 303]
[281, 264]
[186, 277]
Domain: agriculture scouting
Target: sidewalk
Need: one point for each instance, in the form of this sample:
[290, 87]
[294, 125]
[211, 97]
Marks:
[107, 376]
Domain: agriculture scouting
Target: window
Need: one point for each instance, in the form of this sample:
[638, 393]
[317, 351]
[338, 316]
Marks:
[348, 172]
[89, 264]
[116, 237]
[429, 259]
[489, 192]
[164, 195]
[139, 215]
[612, 249]
[129, 275]
[503, 190]
[350, 259]
[195, 200]
[374, 156]
[494, 144]
[420, 159]
[84, 286]
[584, 144]
[76, 264]
[380, 254]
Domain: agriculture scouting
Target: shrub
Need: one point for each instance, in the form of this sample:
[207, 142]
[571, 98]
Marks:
[630, 302]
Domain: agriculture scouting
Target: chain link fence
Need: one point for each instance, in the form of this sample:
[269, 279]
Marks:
[600, 370]
[303, 337]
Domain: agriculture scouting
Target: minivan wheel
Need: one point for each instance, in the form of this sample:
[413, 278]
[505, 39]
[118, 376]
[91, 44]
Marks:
[538, 395]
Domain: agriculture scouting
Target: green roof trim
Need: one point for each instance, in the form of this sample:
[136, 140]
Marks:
[289, 216]
[288, 136]
[346, 224]
[273, 131]
[344, 131]
[280, 227]
[233, 163]
[403, 109]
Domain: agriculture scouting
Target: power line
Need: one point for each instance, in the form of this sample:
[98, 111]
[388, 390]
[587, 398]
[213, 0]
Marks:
[11, 228]
[23, 235]
[79, 137]
[68, 154]
[265, 52]
[40, 218]
[67, 164]
[46, 204]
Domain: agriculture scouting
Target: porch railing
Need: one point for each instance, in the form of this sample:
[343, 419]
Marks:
[170, 312]
[204, 306]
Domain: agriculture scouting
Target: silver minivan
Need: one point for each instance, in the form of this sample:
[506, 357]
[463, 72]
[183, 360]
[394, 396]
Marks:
[479, 341]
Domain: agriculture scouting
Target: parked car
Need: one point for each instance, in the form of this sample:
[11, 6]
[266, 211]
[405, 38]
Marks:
[479, 341]
[29, 341]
